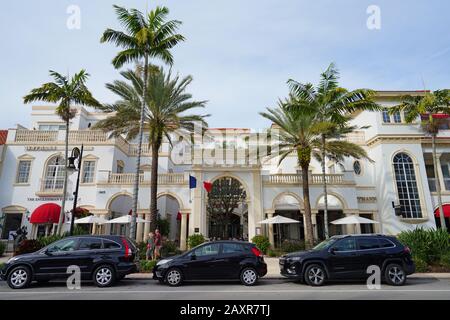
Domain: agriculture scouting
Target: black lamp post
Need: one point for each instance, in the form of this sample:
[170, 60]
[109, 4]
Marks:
[76, 155]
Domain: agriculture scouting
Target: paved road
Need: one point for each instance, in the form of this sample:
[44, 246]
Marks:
[429, 288]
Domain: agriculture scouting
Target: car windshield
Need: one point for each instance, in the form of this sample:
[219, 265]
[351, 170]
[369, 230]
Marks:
[324, 244]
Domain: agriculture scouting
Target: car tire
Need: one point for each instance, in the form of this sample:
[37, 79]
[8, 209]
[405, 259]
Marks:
[104, 276]
[394, 274]
[173, 277]
[248, 276]
[19, 277]
[315, 275]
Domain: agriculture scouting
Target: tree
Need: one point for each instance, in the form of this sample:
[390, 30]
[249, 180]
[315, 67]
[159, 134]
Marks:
[65, 92]
[144, 37]
[167, 103]
[430, 108]
[223, 200]
[300, 131]
[333, 104]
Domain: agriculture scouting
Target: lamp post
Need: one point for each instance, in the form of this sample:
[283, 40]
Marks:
[76, 155]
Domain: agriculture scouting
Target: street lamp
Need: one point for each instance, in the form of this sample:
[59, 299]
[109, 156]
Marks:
[76, 155]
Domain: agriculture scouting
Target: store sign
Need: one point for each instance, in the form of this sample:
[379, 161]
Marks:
[41, 148]
[50, 199]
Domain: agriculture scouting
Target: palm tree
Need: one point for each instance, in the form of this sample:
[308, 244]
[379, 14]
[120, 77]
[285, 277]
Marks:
[144, 37]
[300, 132]
[65, 92]
[428, 107]
[334, 104]
[166, 101]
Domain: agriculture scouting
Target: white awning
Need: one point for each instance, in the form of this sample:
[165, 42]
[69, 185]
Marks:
[353, 219]
[124, 220]
[278, 220]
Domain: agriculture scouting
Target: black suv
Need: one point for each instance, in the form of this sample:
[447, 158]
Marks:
[104, 259]
[218, 260]
[348, 257]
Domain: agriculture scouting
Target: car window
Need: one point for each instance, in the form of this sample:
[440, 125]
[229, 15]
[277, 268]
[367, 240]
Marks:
[108, 244]
[232, 248]
[90, 244]
[347, 244]
[207, 250]
[324, 244]
[62, 246]
[368, 243]
[385, 243]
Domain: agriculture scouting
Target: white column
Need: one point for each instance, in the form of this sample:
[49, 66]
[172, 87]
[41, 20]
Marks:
[314, 222]
[270, 227]
[183, 230]
[440, 176]
[140, 228]
[146, 226]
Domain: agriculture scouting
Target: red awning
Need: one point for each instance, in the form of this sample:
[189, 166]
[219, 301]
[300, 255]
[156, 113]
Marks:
[446, 208]
[179, 216]
[46, 213]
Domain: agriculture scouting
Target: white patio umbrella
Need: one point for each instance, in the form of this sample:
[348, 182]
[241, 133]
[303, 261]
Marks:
[278, 220]
[354, 219]
[91, 219]
[124, 220]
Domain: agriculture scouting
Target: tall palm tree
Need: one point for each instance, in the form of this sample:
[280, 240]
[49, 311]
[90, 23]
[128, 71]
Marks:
[334, 104]
[300, 132]
[166, 100]
[65, 92]
[144, 37]
[428, 107]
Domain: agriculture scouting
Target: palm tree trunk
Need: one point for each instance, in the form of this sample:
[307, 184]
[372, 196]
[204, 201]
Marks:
[154, 185]
[325, 192]
[438, 183]
[63, 202]
[138, 159]
[309, 238]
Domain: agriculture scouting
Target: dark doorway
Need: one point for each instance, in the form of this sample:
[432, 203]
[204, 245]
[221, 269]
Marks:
[13, 221]
[333, 229]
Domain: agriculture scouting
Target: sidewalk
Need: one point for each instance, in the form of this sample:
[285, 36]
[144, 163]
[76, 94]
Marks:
[273, 272]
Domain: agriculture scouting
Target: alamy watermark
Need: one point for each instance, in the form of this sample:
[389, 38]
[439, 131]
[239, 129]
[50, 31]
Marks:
[73, 21]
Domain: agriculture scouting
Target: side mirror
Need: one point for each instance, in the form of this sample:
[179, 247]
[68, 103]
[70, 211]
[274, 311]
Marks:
[193, 256]
[48, 252]
[333, 250]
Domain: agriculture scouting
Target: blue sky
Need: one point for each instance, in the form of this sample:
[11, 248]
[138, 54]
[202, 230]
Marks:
[240, 53]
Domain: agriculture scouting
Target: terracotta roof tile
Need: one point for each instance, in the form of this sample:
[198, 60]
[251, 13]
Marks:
[3, 135]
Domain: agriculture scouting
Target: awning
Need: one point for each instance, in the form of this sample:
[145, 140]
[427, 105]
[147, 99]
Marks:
[46, 213]
[179, 216]
[446, 208]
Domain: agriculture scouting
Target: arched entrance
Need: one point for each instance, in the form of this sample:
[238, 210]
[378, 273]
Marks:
[227, 209]
[288, 205]
[169, 216]
[119, 205]
[335, 211]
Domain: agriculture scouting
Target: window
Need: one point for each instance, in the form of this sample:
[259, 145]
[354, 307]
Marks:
[107, 244]
[397, 117]
[348, 244]
[385, 243]
[88, 171]
[54, 174]
[232, 248]
[90, 244]
[386, 117]
[63, 246]
[52, 127]
[120, 166]
[207, 250]
[408, 192]
[23, 172]
[368, 243]
[357, 167]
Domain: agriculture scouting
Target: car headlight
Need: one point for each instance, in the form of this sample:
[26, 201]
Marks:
[294, 259]
[163, 261]
[12, 259]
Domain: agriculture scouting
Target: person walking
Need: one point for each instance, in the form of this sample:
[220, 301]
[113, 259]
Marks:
[150, 254]
[158, 244]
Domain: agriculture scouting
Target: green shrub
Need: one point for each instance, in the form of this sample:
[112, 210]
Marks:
[274, 253]
[169, 248]
[163, 226]
[195, 240]
[147, 265]
[262, 242]
[142, 247]
[27, 246]
[445, 261]
[45, 241]
[2, 248]
[1, 265]
[292, 246]
[421, 265]
[428, 245]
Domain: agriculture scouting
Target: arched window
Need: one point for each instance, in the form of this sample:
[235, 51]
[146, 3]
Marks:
[54, 174]
[408, 192]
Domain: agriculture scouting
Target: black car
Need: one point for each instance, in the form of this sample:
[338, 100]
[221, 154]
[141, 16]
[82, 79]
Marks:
[216, 260]
[348, 257]
[104, 259]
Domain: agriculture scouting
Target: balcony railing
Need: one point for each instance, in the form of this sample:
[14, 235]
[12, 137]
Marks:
[52, 185]
[128, 179]
[313, 179]
[36, 136]
[124, 178]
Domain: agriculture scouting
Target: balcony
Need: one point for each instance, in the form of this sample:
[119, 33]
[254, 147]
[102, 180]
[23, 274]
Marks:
[127, 179]
[314, 179]
[51, 187]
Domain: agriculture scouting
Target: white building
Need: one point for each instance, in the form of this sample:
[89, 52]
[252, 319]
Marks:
[31, 164]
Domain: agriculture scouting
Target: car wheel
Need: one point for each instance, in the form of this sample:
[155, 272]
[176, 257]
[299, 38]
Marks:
[104, 276]
[173, 277]
[315, 275]
[395, 275]
[249, 276]
[19, 277]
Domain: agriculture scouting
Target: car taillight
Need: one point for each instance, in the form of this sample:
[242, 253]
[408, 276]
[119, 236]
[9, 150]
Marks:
[127, 248]
[257, 252]
[407, 250]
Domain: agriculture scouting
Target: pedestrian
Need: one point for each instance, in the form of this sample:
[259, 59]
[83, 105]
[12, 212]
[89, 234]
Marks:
[158, 244]
[150, 254]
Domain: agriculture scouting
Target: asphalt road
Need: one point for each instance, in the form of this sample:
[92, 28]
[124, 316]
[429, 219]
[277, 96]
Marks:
[416, 288]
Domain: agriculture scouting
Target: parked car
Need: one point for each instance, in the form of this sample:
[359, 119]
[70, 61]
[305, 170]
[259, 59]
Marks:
[217, 260]
[104, 259]
[348, 257]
